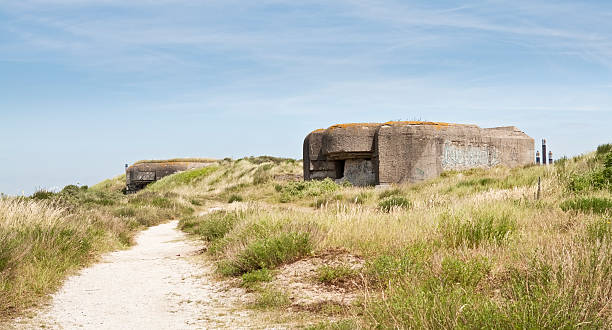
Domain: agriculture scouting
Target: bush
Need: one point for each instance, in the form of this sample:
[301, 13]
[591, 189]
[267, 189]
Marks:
[604, 149]
[597, 179]
[479, 228]
[212, 226]
[268, 253]
[393, 202]
[295, 190]
[252, 278]
[588, 204]
[334, 274]
[42, 194]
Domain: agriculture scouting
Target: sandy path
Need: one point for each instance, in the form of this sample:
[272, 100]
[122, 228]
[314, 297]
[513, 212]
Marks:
[154, 285]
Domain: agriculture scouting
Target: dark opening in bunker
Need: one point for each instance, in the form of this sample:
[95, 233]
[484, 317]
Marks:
[340, 169]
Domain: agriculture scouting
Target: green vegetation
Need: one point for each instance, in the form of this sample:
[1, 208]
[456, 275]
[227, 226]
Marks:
[268, 253]
[271, 298]
[182, 178]
[476, 229]
[335, 274]
[588, 204]
[390, 203]
[296, 190]
[235, 198]
[470, 249]
[251, 279]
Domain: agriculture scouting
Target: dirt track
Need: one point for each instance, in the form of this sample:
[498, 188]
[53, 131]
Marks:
[154, 285]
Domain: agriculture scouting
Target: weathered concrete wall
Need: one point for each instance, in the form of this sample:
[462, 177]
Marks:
[139, 175]
[397, 152]
[359, 172]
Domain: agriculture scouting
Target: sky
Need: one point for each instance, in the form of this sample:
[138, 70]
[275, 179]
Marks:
[87, 86]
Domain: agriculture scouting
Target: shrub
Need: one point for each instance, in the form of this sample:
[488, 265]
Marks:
[268, 253]
[479, 228]
[604, 149]
[234, 198]
[42, 194]
[588, 204]
[393, 202]
[212, 226]
[252, 278]
[596, 179]
[293, 190]
[334, 274]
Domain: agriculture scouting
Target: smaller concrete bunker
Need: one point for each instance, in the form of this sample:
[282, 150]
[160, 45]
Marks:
[409, 151]
[143, 173]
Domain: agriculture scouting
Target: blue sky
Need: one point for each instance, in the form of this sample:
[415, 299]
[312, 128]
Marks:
[87, 86]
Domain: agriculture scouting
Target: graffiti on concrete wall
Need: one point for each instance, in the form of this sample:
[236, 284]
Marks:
[456, 156]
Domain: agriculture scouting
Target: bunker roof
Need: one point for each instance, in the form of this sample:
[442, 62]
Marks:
[176, 160]
[392, 123]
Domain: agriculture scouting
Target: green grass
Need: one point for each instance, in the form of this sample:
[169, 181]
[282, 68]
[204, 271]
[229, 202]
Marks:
[393, 202]
[212, 226]
[253, 278]
[334, 325]
[334, 274]
[182, 178]
[268, 253]
[600, 230]
[296, 190]
[476, 228]
[466, 273]
[588, 204]
[235, 198]
[271, 298]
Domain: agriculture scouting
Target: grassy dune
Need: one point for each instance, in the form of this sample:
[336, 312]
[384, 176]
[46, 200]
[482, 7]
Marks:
[47, 236]
[471, 249]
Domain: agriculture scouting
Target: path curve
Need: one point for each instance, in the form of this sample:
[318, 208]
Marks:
[153, 285]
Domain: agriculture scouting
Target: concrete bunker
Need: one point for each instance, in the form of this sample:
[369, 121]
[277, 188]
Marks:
[409, 151]
[143, 173]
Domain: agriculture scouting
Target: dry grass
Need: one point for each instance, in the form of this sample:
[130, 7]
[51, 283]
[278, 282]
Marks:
[471, 249]
[46, 237]
[468, 249]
